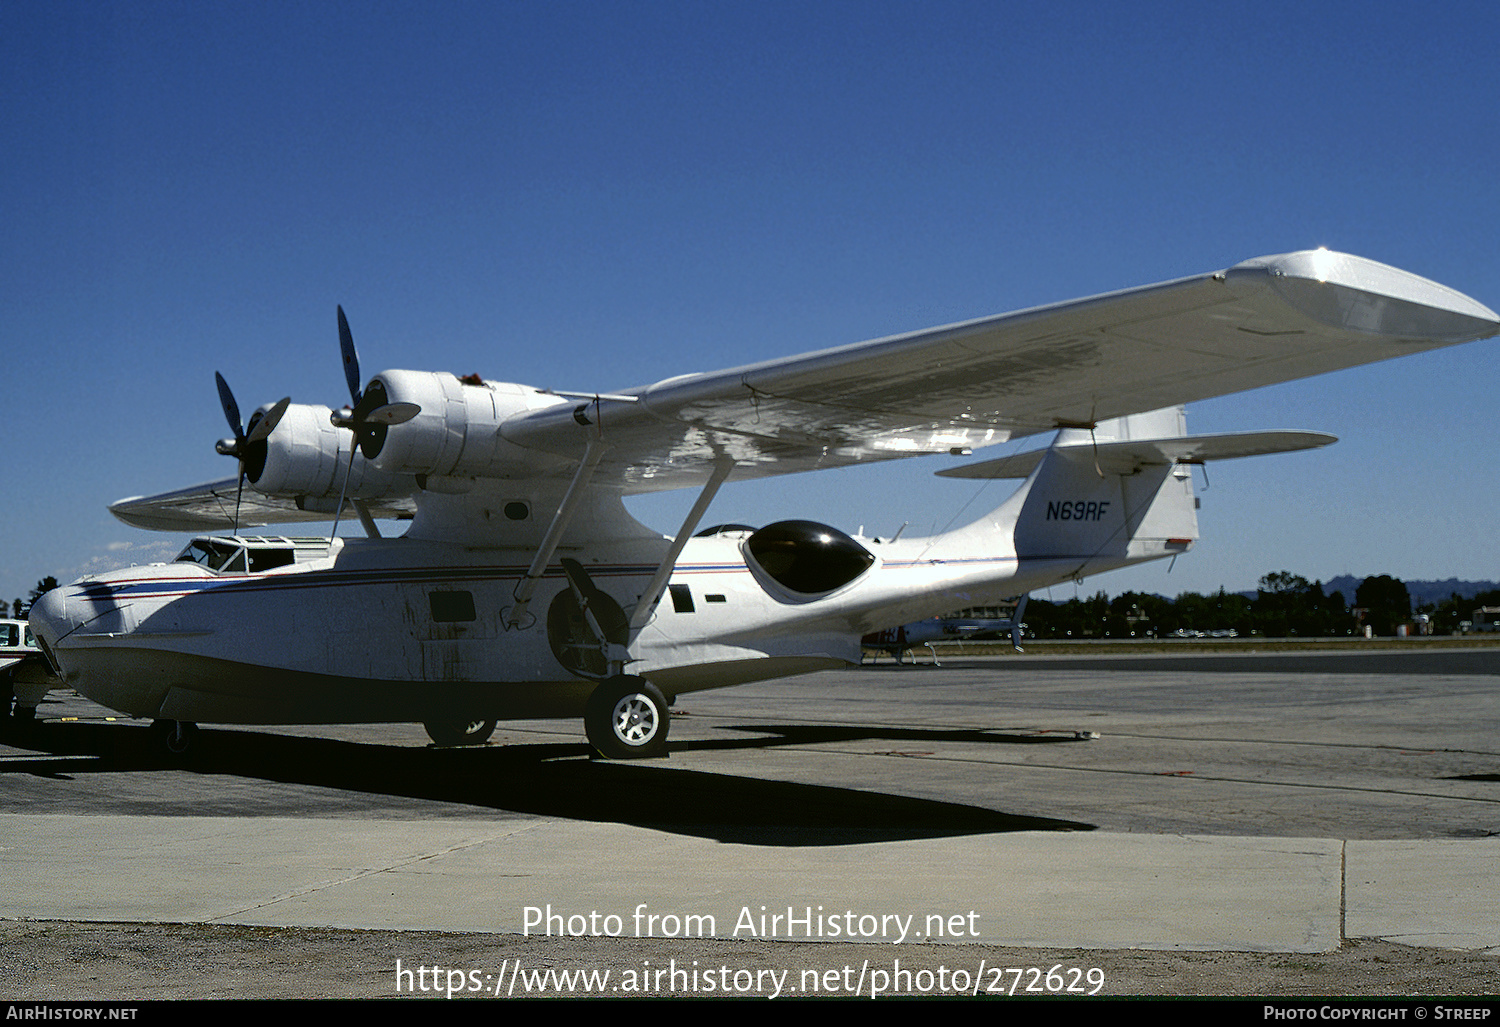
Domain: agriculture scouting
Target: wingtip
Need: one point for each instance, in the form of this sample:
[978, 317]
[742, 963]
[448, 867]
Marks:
[1346, 291]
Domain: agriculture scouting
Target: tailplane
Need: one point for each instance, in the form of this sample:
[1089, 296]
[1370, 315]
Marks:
[1116, 494]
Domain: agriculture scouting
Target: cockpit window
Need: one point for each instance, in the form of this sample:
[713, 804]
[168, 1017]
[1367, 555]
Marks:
[231, 557]
[212, 554]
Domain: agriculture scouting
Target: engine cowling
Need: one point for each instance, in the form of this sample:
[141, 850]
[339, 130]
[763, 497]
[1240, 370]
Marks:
[457, 434]
[307, 456]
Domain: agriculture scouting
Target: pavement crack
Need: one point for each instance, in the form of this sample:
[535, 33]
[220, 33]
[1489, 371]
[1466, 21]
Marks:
[361, 875]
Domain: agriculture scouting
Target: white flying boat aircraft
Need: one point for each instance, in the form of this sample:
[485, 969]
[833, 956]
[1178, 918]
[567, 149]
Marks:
[522, 588]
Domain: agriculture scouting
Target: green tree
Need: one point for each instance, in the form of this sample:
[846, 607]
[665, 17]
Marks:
[1288, 604]
[44, 586]
[1385, 601]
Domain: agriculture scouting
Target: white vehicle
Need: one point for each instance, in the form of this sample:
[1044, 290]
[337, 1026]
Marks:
[523, 588]
[24, 674]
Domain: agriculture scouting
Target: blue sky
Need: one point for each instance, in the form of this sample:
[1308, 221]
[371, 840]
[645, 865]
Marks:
[598, 195]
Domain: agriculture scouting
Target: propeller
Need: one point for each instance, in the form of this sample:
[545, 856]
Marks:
[249, 444]
[369, 413]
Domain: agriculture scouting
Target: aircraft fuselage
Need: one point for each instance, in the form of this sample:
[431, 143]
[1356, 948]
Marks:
[398, 630]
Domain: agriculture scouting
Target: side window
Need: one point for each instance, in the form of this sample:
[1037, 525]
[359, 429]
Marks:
[682, 598]
[265, 559]
[451, 607]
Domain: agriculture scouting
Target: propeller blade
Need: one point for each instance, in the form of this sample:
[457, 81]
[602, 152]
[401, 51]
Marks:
[351, 358]
[344, 489]
[267, 424]
[231, 408]
[392, 413]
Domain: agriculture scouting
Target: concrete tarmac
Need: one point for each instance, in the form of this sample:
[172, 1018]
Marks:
[1245, 802]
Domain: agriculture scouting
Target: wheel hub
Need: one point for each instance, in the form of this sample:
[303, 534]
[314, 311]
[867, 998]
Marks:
[635, 719]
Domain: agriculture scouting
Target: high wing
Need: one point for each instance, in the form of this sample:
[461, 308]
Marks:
[943, 390]
[211, 507]
[961, 386]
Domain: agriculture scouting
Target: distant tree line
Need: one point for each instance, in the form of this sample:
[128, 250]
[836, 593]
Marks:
[18, 609]
[1285, 605]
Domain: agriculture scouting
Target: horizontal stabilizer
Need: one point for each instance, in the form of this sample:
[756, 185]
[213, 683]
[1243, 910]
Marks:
[1133, 454]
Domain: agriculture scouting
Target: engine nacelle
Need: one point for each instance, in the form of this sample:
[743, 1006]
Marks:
[307, 456]
[457, 434]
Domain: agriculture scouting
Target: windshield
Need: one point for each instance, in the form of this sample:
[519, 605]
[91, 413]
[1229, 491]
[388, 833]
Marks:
[215, 555]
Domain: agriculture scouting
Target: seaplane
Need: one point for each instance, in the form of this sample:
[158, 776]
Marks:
[521, 587]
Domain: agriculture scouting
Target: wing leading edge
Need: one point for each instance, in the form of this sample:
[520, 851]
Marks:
[961, 386]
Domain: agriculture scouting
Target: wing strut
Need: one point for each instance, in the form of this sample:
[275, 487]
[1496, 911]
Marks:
[366, 518]
[565, 510]
[658, 584]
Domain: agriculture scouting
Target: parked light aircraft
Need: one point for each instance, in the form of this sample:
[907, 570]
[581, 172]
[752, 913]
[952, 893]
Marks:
[951, 627]
[522, 587]
[24, 676]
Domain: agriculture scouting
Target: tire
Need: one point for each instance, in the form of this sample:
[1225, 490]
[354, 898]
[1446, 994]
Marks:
[627, 719]
[459, 732]
[177, 738]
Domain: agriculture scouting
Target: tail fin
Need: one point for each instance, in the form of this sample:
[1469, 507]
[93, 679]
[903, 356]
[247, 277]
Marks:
[1108, 495]
[1118, 494]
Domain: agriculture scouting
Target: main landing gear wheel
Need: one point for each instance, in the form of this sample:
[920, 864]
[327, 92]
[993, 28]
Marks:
[626, 718]
[177, 737]
[459, 732]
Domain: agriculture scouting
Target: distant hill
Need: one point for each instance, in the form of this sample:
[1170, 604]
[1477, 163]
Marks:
[1420, 591]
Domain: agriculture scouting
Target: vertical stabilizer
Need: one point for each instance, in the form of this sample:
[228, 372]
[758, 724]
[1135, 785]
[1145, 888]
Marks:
[1100, 499]
[1096, 497]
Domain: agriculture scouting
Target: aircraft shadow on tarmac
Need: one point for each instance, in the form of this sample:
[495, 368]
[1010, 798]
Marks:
[550, 780]
[819, 734]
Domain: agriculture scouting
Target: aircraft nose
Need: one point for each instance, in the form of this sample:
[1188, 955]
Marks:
[48, 615]
[49, 622]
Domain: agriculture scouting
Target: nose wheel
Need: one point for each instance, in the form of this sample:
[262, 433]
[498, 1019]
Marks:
[175, 737]
[459, 732]
[626, 718]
